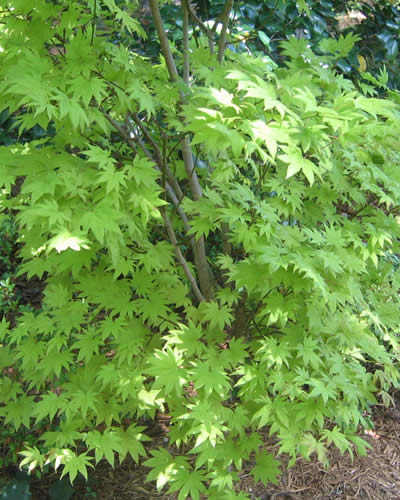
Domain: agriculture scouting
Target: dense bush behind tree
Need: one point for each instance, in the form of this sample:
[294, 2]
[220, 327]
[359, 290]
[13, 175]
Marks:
[215, 233]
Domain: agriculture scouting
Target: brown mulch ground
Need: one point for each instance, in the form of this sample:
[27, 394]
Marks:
[374, 477]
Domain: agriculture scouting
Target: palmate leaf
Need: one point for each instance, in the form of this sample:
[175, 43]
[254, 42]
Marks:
[297, 163]
[340, 47]
[85, 400]
[87, 344]
[164, 467]
[86, 89]
[19, 412]
[207, 375]
[267, 468]
[270, 135]
[75, 464]
[166, 367]
[218, 316]
[105, 444]
[65, 240]
[33, 458]
[338, 438]
[131, 442]
[189, 482]
[73, 110]
[101, 157]
[49, 406]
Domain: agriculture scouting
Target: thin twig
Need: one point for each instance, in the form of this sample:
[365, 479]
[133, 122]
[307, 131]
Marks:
[181, 258]
[186, 62]
[174, 194]
[161, 161]
[121, 130]
[209, 33]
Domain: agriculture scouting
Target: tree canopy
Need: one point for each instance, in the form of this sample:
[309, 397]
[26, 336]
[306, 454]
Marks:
[216, 228]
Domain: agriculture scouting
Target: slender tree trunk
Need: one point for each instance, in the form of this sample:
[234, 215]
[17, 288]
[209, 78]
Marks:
[200, 256]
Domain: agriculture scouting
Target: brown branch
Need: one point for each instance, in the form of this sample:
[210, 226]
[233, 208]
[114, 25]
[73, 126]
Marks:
[162, 36]
[181, 258]
[121, 130]
[225, 23]
[200, 255]
[161, 161]
[179, 209]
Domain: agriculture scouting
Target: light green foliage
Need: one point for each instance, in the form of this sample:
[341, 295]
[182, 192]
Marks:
[300, 210]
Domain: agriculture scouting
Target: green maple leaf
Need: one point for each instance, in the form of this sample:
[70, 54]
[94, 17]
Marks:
[143, 171]
[33, 458]
[269, 134]
[49, 405]
[264, 413]
[75, 112]
[167, 369]
[102, 157]
[86, 88]
[76, 463]
[324, 388]
[131, 442]
[105, 444]
[309, 351]
[187, 338]
[64, 240]
[217, 315]
[311, 410]
[207, 374]
[55, 361]
[236, 353]
[163, 467]
[189, 482]
[85, 400]
[18, 412]
[67, 436]
[297, 163]
[223, 477]
[128, 22]
[239, 421]
[153, 307]
[88, 344]
[340, 47]
[266, 469]
[361, 445]
[337, 438]
[205, 454]
[232, 451]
